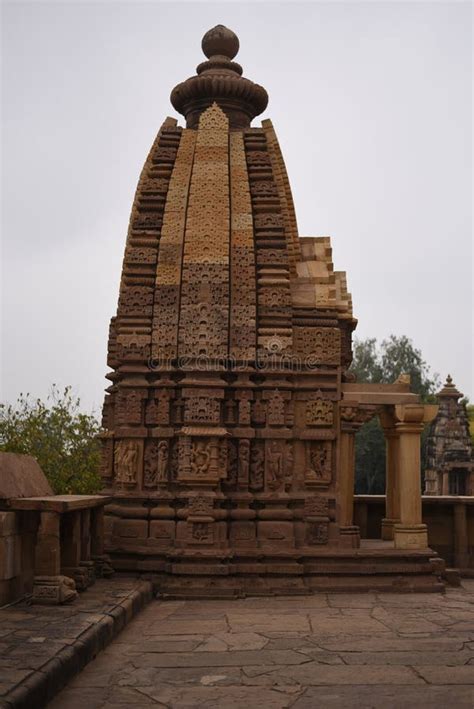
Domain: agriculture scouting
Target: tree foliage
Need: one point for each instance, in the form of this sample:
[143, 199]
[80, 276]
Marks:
[383, 364]
[62, 439]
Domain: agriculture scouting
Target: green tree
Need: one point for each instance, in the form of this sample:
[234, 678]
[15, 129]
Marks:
[470, 416]
[383, 365]
[62, 439]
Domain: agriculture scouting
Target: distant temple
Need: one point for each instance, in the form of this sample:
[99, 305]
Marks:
[450, 460]
[230, 418]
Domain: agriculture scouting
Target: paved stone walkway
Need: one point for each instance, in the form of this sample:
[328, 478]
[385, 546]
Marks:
[328, 650]
[41, 647]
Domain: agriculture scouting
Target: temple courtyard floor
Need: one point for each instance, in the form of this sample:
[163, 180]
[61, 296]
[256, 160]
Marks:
[327, 650]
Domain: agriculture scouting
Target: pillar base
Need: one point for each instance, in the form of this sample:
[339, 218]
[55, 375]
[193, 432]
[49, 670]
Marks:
[413, 536]
[102, 565]
[53, 590]
[83, 575]
[350, 537]
[388, 526]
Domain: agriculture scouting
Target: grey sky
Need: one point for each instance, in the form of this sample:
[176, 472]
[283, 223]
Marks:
[372, 106]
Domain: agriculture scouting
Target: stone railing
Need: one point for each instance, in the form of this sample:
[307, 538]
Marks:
[450, 522]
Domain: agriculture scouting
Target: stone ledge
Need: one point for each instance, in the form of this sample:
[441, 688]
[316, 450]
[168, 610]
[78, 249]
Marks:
[121, 600]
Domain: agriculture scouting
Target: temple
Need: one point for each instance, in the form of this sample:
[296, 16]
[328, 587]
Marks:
[230, 417]
[450, 460]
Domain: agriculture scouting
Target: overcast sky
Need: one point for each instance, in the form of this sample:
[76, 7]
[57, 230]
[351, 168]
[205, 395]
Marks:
[372, 105]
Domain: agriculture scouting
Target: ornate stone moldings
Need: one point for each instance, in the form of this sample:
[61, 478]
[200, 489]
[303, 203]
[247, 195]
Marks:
[321, 345]
[316, 506]
[319, 412]
[276, 409]
[202, 409]
[129, 407]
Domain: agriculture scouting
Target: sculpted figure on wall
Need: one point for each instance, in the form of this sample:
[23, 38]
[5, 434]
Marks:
[162, 466]
[126, 462]
[200, 457]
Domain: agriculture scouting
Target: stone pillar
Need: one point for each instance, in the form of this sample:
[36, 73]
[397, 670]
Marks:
[86, 563]
[71, 553]
[349, 532]
[392, 492]
[353, 416]
[50, 587]
[48, 545]
[461, 543]
[410, 532]
[101, 561]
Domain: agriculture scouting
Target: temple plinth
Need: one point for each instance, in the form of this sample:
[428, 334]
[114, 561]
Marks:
[230, 417]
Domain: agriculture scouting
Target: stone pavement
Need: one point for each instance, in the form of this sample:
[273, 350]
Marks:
[42, 647]
[327, 650]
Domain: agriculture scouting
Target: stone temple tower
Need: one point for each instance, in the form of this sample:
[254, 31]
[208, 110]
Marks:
[450, 459]
[223, 420]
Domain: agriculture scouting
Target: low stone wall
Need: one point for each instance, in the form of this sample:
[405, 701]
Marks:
[450, 522]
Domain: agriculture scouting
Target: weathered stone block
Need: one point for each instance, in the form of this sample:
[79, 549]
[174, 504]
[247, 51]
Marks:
[131, 528]
[162, 532]
[276, 533]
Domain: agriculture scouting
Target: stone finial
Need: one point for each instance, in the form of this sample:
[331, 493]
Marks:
[220, 41]
[449, 389]
[219, 80]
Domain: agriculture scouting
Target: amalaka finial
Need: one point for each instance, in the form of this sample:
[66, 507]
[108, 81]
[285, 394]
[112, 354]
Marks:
[220, 80]
[220, 41]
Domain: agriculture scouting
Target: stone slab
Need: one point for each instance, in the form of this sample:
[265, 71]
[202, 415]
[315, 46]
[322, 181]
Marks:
[59, 503]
